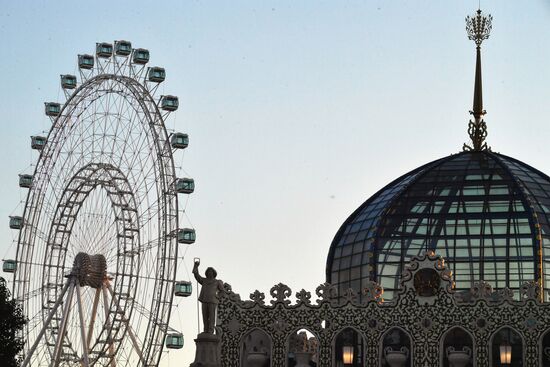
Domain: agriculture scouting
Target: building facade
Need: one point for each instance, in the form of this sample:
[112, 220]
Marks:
[427, 323]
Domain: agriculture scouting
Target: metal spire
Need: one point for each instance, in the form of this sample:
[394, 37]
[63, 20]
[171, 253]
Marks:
[478, 27]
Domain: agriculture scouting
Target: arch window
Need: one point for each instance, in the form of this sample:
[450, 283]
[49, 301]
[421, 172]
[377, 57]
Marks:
[349, 349]
[303, 349]
[396, 349]
[256, 349]
[506, 348]
[458, 348]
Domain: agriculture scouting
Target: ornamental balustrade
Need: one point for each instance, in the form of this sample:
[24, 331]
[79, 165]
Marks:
[426, 324]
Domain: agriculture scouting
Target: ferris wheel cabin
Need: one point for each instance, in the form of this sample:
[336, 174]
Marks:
[156, 74]
[169, 103]
[179, 140]
[52, 109]
[183, 289]
[9, 266]
[174, 340]
[38, 142]
[185, 185]
[68, 81]
[16, 222]
[140, 56]
[123, 48]
[103, 50]
[25, 181]
[85, 61]
[187, 236]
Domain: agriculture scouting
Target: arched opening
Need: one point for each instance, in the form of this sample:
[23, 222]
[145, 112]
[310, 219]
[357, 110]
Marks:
[545, 349]
[349, 349]
[458, 348]
[303, 349]
[256, 349]
[506, 348]
[396, 349]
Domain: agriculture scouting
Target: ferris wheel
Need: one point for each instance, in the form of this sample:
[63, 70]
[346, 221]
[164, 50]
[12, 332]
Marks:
[97, 249]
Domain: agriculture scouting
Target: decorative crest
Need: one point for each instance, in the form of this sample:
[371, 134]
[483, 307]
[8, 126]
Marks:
[258, 297]
[303, 297]
[280, 292]
[326, 293]
[478, 27]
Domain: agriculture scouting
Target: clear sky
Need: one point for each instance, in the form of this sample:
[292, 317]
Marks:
[297, 111]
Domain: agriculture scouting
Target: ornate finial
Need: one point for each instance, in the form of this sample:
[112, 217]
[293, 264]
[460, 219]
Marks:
[478, 27]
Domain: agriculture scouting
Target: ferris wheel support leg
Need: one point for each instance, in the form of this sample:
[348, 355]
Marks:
[46, 324]
[92, 320]
[63, 326]
[128, 327]
[86, 361]
[108, 322]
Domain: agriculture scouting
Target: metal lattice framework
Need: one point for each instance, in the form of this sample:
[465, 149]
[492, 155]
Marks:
[483, 211]
[104, 185]
[425, 318]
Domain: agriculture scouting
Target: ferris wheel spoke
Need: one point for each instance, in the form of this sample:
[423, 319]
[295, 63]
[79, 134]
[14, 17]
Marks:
[142, 145]
[143, 311]
[119, 117]
[129, 133]
[107, 104]
[38, 232]
[94, 238]
[149, 245]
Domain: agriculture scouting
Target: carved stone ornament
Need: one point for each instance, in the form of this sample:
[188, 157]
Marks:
[530, 290]
[258, 297]
[427, 275]
[373, 292]
[326, 293]
[280, 292]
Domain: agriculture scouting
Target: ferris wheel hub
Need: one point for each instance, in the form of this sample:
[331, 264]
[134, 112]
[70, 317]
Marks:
[89, 270]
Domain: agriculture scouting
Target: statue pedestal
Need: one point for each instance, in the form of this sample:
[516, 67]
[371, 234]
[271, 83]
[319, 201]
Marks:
[208, 351]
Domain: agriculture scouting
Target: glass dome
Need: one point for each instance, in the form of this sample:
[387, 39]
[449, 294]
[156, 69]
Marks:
[487, 214]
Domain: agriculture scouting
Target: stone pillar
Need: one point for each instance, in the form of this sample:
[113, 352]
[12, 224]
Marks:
[208, 351]
[325, 351]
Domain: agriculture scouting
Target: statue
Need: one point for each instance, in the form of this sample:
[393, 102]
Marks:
[208, 296]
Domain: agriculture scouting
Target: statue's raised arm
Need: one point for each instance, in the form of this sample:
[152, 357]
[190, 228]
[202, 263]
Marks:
[196, 272]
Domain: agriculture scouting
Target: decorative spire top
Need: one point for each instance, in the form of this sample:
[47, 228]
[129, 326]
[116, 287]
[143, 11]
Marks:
[478, 27]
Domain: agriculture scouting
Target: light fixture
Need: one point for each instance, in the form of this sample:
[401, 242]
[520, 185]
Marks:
[505, 353]
[347, 354]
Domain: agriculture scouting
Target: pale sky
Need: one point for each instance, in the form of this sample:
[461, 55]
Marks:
[297, 111]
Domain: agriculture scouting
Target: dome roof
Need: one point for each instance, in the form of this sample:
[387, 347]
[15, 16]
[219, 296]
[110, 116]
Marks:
[487, 214]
